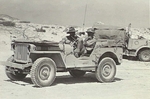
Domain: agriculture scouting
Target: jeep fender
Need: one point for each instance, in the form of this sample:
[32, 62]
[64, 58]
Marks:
[117, 59]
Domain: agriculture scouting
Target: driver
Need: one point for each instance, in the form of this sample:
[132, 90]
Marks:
[71, 39]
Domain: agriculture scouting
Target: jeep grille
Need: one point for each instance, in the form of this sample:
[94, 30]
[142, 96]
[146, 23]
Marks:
[21, 53]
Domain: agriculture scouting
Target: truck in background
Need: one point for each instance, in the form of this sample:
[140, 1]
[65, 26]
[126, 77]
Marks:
[136, 47]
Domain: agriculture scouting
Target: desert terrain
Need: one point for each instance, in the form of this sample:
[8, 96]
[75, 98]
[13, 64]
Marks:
[132, 80]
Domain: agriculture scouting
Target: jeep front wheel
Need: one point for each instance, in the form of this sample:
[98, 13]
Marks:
[77, 73]
[13, 75]
[106, 70]
[144, 55]
[43, 72]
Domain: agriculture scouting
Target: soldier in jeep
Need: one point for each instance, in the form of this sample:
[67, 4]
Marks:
[71, 36]
[86, 46]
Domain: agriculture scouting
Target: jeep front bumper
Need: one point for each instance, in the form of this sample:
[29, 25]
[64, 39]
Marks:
[15, 65]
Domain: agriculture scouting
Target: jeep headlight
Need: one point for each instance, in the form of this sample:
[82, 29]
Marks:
[31, 47]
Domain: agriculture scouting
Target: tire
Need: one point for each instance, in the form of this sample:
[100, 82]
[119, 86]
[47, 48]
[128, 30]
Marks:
[106, 70]
[15, 76]
[77, 73]
[144, 55]
[43, 72]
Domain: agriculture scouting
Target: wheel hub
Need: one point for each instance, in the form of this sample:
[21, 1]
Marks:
[145, 56]
[106, 70]
[44, 73]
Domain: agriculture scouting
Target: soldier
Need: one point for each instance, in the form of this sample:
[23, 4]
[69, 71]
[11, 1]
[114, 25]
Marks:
[86, 46]
[71, 37]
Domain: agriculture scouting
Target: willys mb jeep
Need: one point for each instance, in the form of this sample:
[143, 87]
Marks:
[42, 59]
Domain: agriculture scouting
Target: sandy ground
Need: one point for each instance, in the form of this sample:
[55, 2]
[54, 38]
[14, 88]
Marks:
[132, 81]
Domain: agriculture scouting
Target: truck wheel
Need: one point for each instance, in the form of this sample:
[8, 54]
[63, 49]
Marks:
[106, 70]
[77, 73]
[13, 75]
[144, 55]
[43, 72]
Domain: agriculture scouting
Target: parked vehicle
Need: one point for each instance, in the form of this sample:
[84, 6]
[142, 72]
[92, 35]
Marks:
[42, 59]
[139, 47]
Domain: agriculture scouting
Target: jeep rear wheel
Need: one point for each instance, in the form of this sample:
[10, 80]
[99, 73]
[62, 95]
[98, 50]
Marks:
[43, 72]
[13, 75]
[106, 70]
[77, 73]
[144, 55]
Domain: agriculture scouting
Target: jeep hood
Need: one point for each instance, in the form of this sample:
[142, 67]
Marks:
[43, 42]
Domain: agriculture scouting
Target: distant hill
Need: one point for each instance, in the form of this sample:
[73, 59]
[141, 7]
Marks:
[7, 20]
[4, 17]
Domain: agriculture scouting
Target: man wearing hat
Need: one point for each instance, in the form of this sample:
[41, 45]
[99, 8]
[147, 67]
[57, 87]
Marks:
[71, 36]
[90, 41]
[86, 46]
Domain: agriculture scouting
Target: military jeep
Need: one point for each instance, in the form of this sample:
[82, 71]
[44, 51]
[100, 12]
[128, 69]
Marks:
[42, 59]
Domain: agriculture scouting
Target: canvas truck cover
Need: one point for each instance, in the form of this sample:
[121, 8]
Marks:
[110, 33]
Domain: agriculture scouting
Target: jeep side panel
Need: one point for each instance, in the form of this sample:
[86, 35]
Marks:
[100, 51]
[93, 59]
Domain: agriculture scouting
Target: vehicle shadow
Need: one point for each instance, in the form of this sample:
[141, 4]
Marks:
[130, 58]
[68, 79]
[24, 82]
[64, 79]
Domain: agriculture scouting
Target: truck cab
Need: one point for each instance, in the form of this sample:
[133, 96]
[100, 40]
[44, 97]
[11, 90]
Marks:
[138, 47]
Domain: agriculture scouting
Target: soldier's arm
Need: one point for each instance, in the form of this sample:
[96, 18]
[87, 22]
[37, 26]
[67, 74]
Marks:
[90, 42]
[65, 40]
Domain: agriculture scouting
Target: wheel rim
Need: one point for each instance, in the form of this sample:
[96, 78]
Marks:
[44, 72]
[106, 71]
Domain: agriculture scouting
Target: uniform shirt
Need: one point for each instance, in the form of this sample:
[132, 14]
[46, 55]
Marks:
[89, 43]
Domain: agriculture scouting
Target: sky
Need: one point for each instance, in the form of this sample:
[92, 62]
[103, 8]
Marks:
[72, 12]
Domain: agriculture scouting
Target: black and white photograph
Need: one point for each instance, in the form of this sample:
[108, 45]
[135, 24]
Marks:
[74, 49]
